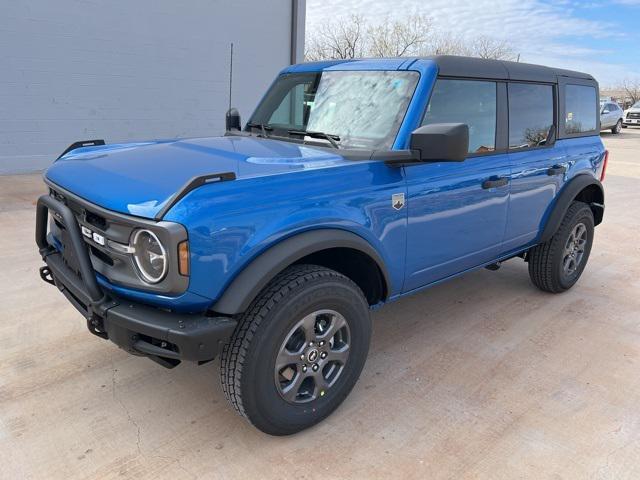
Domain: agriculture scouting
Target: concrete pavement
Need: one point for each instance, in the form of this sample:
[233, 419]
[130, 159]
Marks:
[481, 377]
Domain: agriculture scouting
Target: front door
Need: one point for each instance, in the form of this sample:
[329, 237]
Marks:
[457, 210]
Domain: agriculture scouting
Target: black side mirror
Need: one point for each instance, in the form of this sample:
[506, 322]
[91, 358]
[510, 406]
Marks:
[441, 142]
[233, 120]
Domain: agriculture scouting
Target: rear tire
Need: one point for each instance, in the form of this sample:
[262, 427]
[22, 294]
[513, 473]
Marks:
[298, 350]
[556, 265]
[617, 128]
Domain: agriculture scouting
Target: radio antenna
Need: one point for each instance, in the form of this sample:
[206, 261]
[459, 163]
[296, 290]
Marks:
[230, 74]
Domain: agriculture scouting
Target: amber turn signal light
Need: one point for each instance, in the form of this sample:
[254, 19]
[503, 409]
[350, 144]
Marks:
[183, 258]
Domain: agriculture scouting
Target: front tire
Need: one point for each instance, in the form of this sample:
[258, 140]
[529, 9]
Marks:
[617, 128]
[298, 350]
[556, 265]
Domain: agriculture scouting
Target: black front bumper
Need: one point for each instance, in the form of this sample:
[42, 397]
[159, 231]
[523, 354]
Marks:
[164, 336]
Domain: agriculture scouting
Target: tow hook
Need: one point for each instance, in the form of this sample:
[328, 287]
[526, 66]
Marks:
[45, 274]
[494, 266]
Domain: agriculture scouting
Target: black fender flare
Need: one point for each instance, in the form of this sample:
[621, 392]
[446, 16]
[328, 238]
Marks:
[262, 269]
[567, 195]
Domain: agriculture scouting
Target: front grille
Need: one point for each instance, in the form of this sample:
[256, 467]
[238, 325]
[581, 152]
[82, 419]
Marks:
[99, 254]
[84, 217]
[633, 115]
[116, 266]
[95, 220]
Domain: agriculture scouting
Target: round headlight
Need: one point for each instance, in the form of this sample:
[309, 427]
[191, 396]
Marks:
[150, 256]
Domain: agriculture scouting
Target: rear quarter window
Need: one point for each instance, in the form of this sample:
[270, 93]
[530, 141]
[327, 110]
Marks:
[580, 109]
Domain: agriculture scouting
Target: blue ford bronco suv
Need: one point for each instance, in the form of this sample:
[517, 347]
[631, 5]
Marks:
[353, 184]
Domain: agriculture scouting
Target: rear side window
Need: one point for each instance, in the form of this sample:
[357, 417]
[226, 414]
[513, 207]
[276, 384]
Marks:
[466, 101]
[580, 108]
[530, 114]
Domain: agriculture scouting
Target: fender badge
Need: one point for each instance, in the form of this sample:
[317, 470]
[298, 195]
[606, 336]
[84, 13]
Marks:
[397, 200]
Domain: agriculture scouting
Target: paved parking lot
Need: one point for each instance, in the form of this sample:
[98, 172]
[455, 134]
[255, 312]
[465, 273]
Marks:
[482, 377]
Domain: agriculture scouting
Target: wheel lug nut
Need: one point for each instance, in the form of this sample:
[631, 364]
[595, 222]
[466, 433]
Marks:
[323, 355]
[302, 357]
[315, 367]
[311, 344]
[321, 343]
[304, 368]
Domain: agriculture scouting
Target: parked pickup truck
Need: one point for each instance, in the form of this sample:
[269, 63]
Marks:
[353, 184]
[632, 116]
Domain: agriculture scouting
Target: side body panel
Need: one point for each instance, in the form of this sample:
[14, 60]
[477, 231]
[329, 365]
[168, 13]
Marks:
[581, 155]
[534, 185]
[231, 223]
[584, 155]
[454, 223]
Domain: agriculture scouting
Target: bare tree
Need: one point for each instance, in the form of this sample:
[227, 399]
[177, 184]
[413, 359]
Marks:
[399, 38]
[488, 47]
[337, 40]
[446, 44]
[632, 89]
[415, 36]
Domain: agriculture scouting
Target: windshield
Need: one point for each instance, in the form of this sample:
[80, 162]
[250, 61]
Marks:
[358, 109]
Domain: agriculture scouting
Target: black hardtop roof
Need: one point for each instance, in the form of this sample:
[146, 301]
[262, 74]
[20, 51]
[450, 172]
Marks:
[454, 66]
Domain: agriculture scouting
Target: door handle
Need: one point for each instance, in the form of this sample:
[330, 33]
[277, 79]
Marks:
[495, 182]
[557, 170]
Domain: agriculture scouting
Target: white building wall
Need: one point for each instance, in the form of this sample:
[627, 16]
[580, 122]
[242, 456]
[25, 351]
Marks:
[129, 70]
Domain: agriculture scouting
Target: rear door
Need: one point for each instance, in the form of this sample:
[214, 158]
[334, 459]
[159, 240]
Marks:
[457, 210]
[538, 162]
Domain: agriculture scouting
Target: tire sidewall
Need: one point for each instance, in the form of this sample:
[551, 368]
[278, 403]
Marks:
[262, 402]
[585, 216]
[618, 127]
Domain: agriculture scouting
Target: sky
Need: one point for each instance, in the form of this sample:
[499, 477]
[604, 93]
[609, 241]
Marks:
[600, 38]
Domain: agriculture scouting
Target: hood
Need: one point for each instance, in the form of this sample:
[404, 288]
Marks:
[140, 178]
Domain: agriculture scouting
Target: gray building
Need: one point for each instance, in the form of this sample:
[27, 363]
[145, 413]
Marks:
[126, 70]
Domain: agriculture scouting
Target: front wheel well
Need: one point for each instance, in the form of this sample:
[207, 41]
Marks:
[354, 264]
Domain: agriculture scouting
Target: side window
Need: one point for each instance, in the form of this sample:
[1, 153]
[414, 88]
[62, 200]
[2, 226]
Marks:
[530, 114]
[580, 108]
[466, 101]
[289, 101]
[292, 110]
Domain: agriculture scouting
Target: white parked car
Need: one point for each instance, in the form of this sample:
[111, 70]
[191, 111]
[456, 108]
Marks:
[610, 117]
[632, 116]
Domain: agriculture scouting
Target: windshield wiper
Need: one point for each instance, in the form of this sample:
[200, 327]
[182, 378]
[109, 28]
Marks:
[333, 139]
[261, 126]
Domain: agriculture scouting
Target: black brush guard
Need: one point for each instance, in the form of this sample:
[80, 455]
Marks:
[165, 337]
